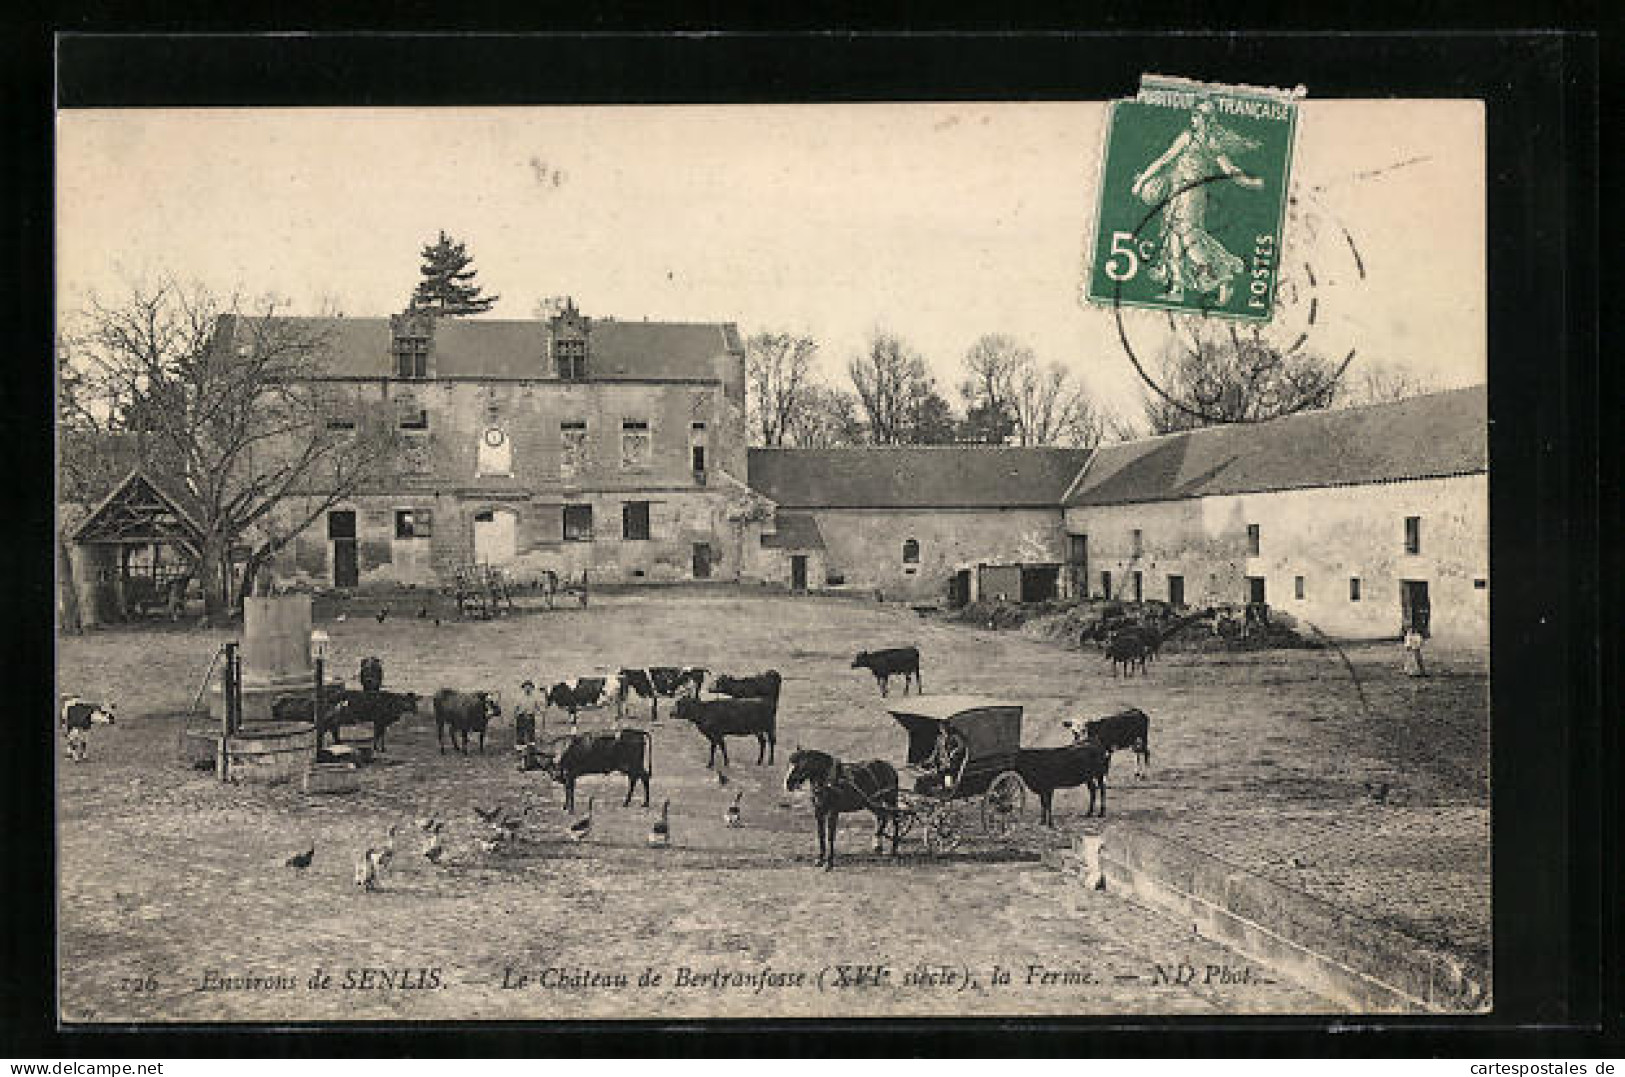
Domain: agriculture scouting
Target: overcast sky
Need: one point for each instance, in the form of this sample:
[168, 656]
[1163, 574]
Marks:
[940, 222]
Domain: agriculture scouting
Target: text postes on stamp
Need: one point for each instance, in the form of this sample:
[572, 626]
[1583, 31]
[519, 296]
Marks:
[1192, 199]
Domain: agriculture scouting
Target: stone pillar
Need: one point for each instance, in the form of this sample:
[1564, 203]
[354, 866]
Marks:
[275, 655]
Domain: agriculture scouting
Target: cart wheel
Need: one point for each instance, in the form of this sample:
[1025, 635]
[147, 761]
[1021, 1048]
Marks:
[943, 831]
[1003, 803]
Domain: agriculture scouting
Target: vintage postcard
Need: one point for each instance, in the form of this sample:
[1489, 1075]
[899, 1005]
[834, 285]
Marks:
[982, 559]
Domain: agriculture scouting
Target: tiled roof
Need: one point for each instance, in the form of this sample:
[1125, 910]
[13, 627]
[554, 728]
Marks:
[1423, 437]
[942, 476]
[795, 531]
[493, 348]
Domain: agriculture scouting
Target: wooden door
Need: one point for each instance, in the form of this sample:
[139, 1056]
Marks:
[341, 532]
[798, 572]
[702, 560]
[1414, 609]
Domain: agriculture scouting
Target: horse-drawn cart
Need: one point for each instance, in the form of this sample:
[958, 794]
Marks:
[962, 764]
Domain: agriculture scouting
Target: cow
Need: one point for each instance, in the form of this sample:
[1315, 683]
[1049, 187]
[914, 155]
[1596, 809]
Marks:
[623, 751]
[372, 674]
[580, 693]
[463, 712]
[76, 718]
[762, 686]
[1125, 650]
[884, 664]
[302, 708]
[1045, 770]
[378, 708]
[719, 719]
[1125, 729]
[655, 683]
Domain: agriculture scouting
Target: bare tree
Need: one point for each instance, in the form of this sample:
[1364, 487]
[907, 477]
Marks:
[893, 387]
[1216, 374]
[1372, 382]
[1052, 409]
[778, 369]
[827, 419]
[226, 407]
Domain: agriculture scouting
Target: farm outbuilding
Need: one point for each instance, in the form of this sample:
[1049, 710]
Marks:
[134, 552]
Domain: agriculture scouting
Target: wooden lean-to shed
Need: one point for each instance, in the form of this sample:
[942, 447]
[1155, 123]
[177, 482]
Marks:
[135, 552]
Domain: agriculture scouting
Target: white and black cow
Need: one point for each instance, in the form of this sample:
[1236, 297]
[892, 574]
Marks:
[75, 720]
[655, 683]
[580, 693]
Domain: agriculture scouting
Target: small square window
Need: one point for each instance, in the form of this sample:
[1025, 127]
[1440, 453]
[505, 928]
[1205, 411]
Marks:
[1480, 584]
[1354, 589]
[578, 523]
[404, 528]
[1253, 540]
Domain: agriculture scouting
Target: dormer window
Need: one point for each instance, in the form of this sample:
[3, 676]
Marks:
[411, 357]
[570, 358]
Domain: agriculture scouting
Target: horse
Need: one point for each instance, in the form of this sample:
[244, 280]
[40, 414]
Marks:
[844, 787]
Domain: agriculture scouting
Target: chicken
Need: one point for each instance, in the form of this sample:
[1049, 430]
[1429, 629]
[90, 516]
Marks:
[433, 850]
[731, 817]
[341, 618]
[366, 872]
[722, 779]
[490, 844]
[660, 832]
[383, 614]
[423, 613]
[487, 815]
[428, 824]
[380, 857]
[582, 826]
[301, 860]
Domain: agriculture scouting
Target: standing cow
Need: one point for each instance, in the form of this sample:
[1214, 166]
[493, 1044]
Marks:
[887, 663]
[625, 751]
[463, 713]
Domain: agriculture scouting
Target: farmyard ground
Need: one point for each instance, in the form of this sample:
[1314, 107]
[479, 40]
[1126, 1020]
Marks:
[166, 877]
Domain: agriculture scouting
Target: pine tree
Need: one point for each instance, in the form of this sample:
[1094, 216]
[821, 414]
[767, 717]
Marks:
[448, 284]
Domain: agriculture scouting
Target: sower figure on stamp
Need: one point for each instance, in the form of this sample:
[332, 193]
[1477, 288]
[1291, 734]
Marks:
[1187, 254]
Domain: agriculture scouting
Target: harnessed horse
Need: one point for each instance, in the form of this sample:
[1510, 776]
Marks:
[844, 787]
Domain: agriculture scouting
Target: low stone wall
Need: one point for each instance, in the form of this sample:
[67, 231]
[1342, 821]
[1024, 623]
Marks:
[1334, 953]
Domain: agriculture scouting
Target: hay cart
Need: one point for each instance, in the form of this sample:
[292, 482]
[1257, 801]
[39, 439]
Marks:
[981, 784]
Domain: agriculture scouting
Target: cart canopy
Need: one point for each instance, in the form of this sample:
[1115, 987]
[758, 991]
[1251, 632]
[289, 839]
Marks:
[990, 727]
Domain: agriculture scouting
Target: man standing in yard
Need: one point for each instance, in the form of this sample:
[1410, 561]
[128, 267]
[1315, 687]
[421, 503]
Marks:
[524, 715]
[1413, 653]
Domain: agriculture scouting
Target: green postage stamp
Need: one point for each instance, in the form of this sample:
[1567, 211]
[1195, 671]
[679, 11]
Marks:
[1192, 198]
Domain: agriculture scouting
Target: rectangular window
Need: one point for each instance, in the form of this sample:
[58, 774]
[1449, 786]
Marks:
[415, 420]
[570, 358]
[1105, 584]
[1176, 590]
[572, 448]
[1354, 588]
[1297, 587]
[1480, 584]
[697, 454]
[1413, 534]
[411, 357]
[635, 520]
[340, 422]
[578, 523]
[1134, 545]
[1139, 586]
[634, 443]
[1252, 540]
[404, 524]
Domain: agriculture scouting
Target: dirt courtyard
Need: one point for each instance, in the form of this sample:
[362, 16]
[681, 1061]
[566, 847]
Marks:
[174, 903]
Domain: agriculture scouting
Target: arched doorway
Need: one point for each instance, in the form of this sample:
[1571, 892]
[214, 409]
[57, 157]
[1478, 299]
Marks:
[496, 536]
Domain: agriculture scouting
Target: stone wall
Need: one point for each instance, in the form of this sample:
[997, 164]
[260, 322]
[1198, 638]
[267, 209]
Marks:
[1327, 536]
[865, 546]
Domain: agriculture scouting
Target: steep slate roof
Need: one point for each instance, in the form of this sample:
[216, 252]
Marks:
[493, 348]
[1423, 437]
[794, 531]
[937, 476]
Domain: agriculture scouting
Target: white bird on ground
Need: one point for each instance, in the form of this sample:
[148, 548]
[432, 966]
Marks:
[731, 817]
[660, 832]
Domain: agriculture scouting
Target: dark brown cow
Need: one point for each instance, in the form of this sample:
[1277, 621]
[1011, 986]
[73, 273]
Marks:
[719, 719]
[624, 751]
[463, 713]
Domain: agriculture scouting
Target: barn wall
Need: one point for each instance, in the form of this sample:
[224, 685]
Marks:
[866, 545]
[1325, 535]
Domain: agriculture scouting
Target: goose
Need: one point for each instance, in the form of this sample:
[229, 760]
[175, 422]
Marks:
[732, 816]
[366, 873]
[582, 826]
[382, 857]
[660, 832]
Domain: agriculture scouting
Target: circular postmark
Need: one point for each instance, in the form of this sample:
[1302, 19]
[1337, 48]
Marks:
[1215, 368]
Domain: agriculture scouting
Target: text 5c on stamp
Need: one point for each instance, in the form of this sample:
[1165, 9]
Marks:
[1192, 199]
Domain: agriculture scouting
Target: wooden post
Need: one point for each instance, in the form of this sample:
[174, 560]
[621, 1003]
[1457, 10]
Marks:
[316, 711]
[230, 679]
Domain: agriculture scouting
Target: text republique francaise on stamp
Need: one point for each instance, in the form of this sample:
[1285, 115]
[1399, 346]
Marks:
[1192, 199]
